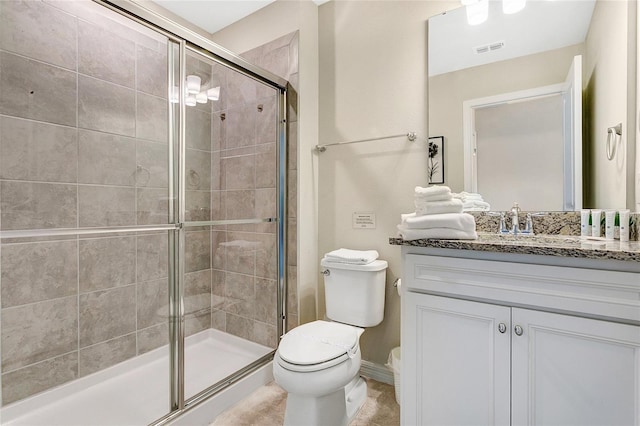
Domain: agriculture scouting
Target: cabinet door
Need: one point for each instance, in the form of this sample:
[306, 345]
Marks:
[574, 371]
[455, 362]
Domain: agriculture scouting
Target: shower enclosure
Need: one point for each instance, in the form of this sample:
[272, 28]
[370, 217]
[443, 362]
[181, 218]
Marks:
[142, 215]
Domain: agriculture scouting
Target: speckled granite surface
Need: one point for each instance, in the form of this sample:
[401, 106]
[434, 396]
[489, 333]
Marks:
[557, 234]
[548, 223]
[560, 245]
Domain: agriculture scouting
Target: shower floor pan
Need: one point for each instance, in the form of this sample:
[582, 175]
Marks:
[136, 392]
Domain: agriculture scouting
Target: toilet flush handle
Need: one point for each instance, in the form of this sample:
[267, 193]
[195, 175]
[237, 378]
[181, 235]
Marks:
[326, 272]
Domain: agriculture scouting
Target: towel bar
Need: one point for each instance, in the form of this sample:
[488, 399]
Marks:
[411, 136]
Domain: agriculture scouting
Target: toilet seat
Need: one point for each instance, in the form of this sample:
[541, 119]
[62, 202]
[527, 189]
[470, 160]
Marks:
[318, 345]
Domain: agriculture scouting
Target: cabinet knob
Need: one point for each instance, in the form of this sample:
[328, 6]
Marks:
[502, 327]
[518, 330]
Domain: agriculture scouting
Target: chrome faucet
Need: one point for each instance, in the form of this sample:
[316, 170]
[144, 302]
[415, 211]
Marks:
[515, 222]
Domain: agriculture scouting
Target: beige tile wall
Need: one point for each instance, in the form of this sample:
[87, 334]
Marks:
[244, 257]
[83, 143]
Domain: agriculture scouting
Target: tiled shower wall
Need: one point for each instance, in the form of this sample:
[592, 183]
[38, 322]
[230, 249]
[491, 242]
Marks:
[280, 56]
[83, 143]
[231, 175]
[244, 257]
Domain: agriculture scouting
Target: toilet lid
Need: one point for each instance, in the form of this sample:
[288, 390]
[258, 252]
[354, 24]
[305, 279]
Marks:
[317, 342]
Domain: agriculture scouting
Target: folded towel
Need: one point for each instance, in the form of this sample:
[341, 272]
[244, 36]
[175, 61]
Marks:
[426, 199]
[475, 205]
[355, 257]
[435, 233]
[405, 216]
[437, 207]
[459, 221]
[432, 193]
[432, 190]
[467, 196]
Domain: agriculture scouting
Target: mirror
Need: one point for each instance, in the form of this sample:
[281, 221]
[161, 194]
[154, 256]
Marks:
[552, 65]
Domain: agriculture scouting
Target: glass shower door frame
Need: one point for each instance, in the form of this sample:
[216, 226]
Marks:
[192, 39]
[177, 313]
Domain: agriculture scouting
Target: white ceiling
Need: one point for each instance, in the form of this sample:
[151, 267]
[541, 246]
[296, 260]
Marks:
[542, 25]
[213, 15]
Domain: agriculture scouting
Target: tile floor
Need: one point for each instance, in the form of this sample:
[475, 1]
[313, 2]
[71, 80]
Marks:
[265, 407]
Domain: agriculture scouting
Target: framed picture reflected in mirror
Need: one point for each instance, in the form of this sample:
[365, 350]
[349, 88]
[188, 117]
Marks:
[435, 160]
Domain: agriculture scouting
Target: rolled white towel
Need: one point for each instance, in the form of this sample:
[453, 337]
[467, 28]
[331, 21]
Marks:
[460, 221]
[435, 233]
[432, 193]
[437, 207]
[356, 257]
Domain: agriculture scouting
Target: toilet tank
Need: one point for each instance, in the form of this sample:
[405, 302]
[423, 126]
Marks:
[354, 294]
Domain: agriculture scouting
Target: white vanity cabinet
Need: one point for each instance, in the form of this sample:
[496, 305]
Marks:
[497, 343]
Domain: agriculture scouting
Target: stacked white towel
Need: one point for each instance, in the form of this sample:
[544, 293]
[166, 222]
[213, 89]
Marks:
[472, 202]
[438, 207]
[435, 200]
[432, 193]
[353, 257]
[438, 215]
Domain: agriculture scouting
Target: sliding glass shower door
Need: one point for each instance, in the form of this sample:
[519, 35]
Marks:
[142, 192]
[231, 253]
[86, 201]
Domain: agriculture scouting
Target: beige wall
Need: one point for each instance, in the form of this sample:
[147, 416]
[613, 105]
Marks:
[368, 87]
[370, 80]
[520, 158]
[636, 173]
[448, 91]
[373, 83]
[606, 79]
[280, 18]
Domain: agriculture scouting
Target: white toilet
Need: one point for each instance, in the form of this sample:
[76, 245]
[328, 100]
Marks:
[318, 363]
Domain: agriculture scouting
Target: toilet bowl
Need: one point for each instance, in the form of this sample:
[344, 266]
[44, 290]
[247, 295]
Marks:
[318, 363]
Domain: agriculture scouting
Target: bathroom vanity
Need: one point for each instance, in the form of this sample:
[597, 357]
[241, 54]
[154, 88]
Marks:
[510, 330]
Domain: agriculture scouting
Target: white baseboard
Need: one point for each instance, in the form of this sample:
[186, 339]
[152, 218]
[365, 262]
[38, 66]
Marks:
[376, 372]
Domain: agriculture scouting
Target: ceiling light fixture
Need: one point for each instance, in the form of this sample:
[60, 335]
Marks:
[201, 97]
[190, 100]
[192, 96]
[513, 6]
[477, 11]
[214, 93]
[193, 84]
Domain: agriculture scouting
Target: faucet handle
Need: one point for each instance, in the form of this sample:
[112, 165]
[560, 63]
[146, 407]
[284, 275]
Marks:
[502, 228]
[529, 223]
[528, 228]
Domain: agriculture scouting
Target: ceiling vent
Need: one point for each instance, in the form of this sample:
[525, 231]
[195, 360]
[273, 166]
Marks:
[488, 47]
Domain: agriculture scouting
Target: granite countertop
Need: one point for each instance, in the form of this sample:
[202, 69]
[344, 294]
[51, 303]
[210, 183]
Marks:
[545, 245]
